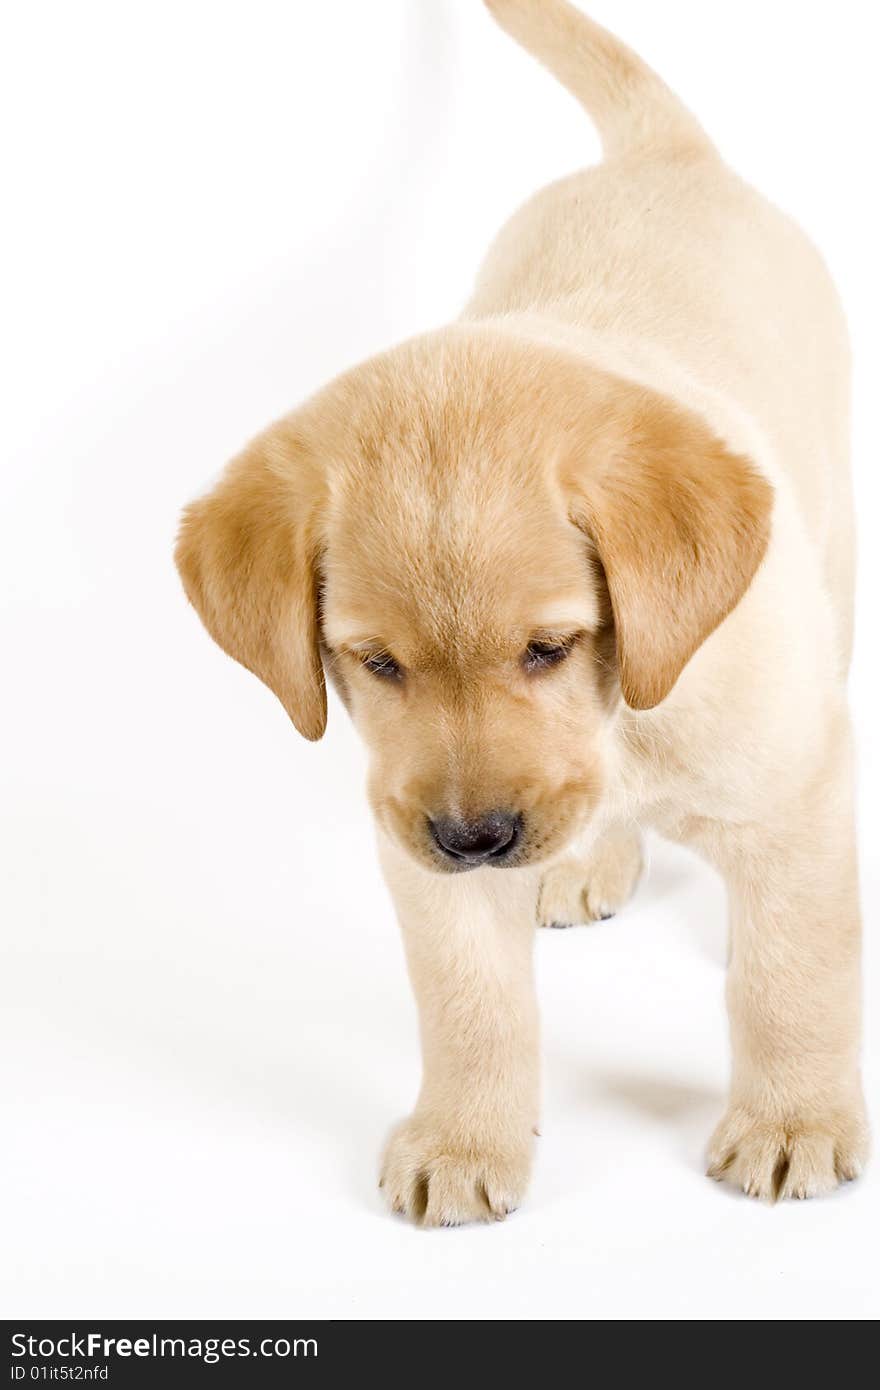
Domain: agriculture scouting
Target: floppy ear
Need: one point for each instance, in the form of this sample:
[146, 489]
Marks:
[680, 524]
[247, 556]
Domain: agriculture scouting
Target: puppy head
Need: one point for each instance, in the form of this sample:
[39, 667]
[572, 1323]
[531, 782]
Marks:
[488, 544]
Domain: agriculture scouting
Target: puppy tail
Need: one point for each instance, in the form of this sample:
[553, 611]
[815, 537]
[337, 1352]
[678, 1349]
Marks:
[631, 106]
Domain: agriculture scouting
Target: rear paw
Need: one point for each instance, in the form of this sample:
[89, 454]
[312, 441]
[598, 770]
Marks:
[593, 888]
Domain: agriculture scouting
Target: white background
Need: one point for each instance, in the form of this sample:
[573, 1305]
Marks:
[207, 1029]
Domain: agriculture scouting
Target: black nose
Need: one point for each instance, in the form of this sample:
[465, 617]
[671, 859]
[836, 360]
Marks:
[491, 838]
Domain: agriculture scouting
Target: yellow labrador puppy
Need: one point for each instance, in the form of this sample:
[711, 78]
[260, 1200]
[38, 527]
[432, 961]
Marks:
[580, 563]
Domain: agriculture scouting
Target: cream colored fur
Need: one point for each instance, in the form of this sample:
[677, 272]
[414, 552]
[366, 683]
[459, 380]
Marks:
[658, 268]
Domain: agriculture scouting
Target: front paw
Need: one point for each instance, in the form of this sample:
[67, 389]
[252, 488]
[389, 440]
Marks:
[436, 1179]
[774, 1159]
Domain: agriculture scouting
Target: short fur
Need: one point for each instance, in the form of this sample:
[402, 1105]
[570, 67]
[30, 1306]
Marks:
[631, 450]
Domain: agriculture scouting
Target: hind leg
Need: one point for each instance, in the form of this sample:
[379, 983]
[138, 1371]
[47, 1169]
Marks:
[594, 886]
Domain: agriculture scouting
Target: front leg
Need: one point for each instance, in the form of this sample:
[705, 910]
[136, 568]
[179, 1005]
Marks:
[465, 1152]
[795, 1125]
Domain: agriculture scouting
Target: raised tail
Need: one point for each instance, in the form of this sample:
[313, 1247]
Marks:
[631, 106]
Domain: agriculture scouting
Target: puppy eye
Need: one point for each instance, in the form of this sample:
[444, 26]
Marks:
[538, 656]
[384, 666]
